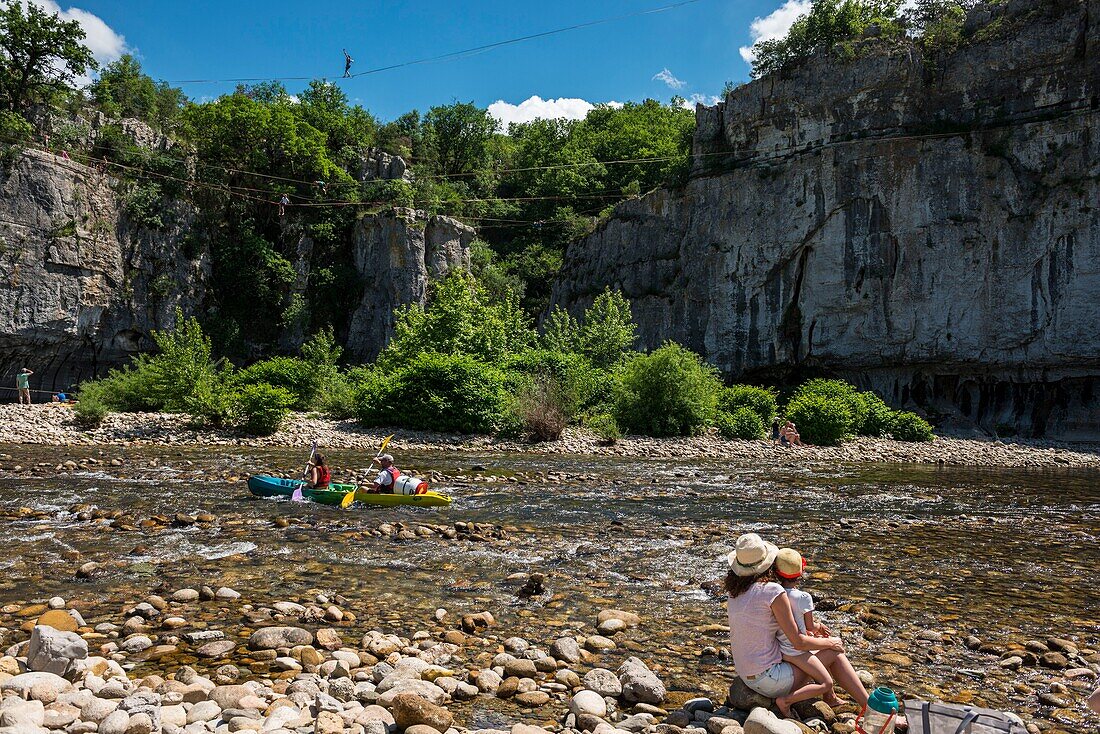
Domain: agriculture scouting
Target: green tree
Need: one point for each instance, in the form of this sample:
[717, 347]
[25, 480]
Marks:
[939, 23]
[457, 138]
[124, 90]
[670, 392]
[636, 132]
[828, 23]
[607, 331]
[40, 54]
[560, 332]
[459, 319]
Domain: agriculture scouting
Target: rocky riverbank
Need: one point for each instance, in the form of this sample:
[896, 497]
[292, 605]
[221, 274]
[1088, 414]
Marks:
[53, 425]
[202, 660]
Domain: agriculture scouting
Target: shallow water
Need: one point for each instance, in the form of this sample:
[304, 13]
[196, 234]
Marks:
[1007, 555]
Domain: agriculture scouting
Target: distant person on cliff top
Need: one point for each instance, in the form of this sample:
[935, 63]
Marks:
[23, 385]
[386, 480]
[319, 475]
[348, 61]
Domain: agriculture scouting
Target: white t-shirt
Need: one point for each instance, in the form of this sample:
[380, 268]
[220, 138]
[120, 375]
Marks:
[384, 478]
[801, 602]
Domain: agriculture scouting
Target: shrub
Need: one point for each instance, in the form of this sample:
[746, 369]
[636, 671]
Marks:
[760, 400]
[297, 376]
[607, 331]
[261, 409]
[560, 331]
[130, 389]
[545, 408]
[820, 420]
[460, 318]
[742, 423]
[182, 364]
[911, 427]
[92, 406]
[212, 404]
[879, 417]
[670, 392]
[841, 392]
[605, 427]
[574, 376]
[438, 392]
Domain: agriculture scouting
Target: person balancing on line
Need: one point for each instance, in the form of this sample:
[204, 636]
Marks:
[348, 61]
[386, 480]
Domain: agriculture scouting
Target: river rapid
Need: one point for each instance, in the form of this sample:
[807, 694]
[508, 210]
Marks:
[932, 575]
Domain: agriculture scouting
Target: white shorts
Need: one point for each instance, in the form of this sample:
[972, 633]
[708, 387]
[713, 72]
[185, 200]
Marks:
[774, 682]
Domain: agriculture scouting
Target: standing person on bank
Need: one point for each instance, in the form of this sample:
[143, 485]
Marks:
[23, 385]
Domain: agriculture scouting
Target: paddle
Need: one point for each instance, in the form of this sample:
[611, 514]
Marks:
[297, 496]
[350, 496]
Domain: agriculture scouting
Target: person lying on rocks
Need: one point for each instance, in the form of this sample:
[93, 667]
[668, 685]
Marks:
[789, 567]
[387, 478]
[758, 609]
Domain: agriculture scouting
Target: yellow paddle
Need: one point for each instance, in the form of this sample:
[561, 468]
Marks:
[350, 496]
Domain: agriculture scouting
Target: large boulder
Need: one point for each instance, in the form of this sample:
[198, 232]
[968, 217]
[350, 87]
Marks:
[640, 684]
[588, 703]
[37, 686]
[271, 638]
[763, 721]
[409, 709]
[53, 651]
[603, 682]
[743, 698]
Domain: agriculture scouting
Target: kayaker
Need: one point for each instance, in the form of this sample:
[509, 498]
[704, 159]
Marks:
[387, 478]
[319, 475]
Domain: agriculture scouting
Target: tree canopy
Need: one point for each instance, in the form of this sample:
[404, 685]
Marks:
[40, 54]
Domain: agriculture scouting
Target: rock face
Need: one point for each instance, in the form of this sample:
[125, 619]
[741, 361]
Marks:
[926, 228]
[396, 252]
[379, 165]
[81, 285]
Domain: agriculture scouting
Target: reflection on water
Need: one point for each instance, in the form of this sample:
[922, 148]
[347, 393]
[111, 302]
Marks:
[1004, 554]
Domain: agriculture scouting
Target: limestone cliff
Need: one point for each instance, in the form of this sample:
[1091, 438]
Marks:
[931, 231]
[396, 252]
[82, 287]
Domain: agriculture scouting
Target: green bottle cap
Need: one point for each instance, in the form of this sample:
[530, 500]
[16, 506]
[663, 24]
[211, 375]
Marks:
[883, 700]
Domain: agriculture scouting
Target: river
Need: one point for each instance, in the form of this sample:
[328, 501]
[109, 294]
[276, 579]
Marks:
[908, 562]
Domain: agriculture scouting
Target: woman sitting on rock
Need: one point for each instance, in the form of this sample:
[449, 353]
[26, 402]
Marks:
[759, 608]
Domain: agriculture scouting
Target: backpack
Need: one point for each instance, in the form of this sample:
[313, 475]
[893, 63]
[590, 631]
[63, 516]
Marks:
[947, 718]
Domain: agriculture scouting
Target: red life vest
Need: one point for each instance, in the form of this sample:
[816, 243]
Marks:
[394, 476]
[324, 476]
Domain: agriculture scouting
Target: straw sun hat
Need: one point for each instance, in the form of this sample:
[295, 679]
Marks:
[789, 563]
[752, 555]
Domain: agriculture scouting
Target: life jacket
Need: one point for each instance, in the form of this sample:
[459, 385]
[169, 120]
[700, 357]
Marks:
[394, 476]
[324, 476]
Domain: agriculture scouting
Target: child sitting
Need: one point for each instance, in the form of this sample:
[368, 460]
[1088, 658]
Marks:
[789, 567]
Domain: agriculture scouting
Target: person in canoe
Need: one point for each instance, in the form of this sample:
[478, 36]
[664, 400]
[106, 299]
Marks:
[387, 478]
[319, 475]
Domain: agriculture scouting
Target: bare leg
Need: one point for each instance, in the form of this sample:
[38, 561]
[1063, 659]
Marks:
[801, 690]
[844, 674]
[815, 670]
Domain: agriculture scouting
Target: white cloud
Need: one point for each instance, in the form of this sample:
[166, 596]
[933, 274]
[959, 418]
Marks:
[106, 44]
[666, 76]
[776, 25]
[535, 107]
[703, 99]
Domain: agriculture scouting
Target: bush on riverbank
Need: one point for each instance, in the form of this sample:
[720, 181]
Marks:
[669, 392]
[760, 400]
[452, 393]
[911, 427]
[828, 411]
[742, 423]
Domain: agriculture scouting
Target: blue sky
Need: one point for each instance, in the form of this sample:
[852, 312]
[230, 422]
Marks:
[690, 51]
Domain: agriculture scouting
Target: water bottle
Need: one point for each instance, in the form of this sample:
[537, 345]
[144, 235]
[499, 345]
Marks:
[879, 714]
